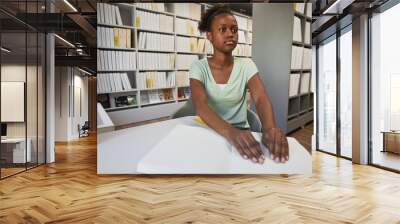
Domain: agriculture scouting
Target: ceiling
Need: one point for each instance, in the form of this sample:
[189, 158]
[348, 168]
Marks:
[75, 23]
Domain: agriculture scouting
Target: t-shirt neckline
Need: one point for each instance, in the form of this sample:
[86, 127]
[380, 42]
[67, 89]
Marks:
[230, 75]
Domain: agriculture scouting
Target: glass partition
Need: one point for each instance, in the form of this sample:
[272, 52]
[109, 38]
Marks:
[22, 87]
[327, 95]
[385, 89]
[346, 93]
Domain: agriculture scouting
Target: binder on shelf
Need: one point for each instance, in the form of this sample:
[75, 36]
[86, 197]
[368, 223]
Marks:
[182, 78]
[159, 7]
[155, 61]
[249, 24]
[113, 82]
[307, 33]
[117, 60]
[297, 55]
[156, 41]
[114, 37]
[187, 27]
[305, 83]
[188, 10]
[201, 45]
[309, 10]
[307, 58]
[149, 80]
[108, 14]
[184, 61]
[153, 21]
[241, 36]
[242, 50]
[297, 29]
[241, 21]
[294, 81]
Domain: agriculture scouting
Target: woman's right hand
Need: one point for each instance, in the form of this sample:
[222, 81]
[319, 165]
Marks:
[246, 144]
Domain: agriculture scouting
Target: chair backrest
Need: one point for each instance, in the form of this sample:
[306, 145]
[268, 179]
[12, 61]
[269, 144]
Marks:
[86, 125]
[188, 110]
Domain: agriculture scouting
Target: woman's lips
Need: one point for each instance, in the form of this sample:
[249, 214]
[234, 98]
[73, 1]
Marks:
[230, 42]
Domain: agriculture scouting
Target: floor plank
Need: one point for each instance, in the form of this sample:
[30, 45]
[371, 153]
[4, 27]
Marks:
[70, 191]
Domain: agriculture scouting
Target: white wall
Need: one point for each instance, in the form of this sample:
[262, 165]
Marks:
[71, 87]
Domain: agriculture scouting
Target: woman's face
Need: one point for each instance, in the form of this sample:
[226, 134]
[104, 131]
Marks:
[224, 33]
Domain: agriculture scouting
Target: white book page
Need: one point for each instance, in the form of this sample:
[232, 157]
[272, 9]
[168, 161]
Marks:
[200, 150]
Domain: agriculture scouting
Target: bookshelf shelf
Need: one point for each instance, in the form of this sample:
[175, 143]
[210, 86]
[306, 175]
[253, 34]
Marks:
[157, 51]
[116, 49]
[114, 71]
[155, 70]
[185, 52]
[153, 31]
[116, 26]
[184, 17]
[189, 35]
[143, 37]
[160, 102]
[154, 11]
[122, 91]
[149, 89]
[300, 105]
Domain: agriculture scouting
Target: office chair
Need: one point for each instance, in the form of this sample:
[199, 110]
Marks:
[84, 130]
[188, 110]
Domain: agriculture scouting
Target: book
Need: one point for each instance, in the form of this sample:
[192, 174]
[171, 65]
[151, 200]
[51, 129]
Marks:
[184, 61]
[297, 34]
[294, 80]
[305, 83]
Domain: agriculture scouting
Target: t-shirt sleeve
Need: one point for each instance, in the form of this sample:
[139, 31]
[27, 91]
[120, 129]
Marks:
[195, 71]
[250, 69]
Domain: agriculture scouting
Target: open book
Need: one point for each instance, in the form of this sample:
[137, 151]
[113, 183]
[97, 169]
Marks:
[200, 150]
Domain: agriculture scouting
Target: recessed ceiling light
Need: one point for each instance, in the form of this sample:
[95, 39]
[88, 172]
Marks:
[64, 40]
[86, 72]
[5, 50]
[70, 5]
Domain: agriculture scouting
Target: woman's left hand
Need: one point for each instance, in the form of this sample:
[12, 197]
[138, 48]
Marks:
[275, 140]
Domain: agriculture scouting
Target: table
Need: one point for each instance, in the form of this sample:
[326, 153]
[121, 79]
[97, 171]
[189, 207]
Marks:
[13, 150]
[125, 151]
[391, 141]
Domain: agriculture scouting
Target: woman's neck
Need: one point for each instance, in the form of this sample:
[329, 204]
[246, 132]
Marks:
[222, 59]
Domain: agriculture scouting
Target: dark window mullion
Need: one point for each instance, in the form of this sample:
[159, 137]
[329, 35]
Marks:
[338, 73]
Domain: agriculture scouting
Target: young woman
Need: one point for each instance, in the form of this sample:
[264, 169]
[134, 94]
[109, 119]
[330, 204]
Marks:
[219, 86]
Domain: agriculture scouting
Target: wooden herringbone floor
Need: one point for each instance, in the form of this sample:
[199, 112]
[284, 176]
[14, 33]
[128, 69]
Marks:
[70, 191]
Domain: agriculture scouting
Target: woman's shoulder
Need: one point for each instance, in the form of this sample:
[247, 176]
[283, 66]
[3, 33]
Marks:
[200, 63]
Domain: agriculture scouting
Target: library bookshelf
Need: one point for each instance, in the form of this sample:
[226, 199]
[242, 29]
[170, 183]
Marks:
[301, 96]
[144, 54]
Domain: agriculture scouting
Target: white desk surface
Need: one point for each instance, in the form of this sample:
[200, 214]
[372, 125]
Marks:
[13, 140]
[132, 150]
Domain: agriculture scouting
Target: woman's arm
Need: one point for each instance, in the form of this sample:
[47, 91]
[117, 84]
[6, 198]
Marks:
[243, 141]
[273, 137]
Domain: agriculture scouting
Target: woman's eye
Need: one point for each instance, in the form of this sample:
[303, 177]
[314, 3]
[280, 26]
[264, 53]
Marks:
[234, 30]
[222, 29]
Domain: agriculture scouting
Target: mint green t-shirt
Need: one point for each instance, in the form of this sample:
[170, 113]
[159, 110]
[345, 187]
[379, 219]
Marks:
[229, 100]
